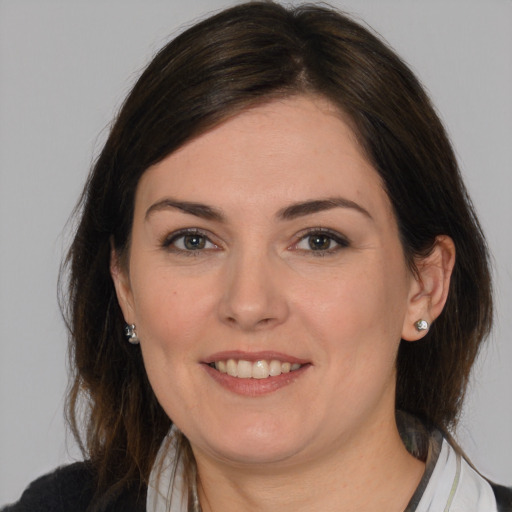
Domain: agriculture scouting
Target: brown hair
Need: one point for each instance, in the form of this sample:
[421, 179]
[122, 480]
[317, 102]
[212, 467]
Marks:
[242, 57]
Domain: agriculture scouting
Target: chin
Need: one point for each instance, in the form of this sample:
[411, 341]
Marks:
[255, 454]
[253, 445]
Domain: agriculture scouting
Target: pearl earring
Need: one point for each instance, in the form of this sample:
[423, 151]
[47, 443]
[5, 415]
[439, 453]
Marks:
[131, 335]
[421, 325]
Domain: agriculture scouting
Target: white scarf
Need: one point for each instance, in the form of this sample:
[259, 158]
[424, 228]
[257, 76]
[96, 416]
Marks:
[453, 485]
[166, 490]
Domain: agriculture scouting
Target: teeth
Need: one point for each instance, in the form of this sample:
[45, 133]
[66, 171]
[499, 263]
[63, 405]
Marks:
[275, 368]
[221, 366]
[261, 369]
[232, 368]
[244, 369]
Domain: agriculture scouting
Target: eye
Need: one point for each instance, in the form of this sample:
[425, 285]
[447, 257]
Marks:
[321, 242]
[188, 241]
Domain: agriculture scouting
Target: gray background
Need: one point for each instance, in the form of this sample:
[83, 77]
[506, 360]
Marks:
[65, 67]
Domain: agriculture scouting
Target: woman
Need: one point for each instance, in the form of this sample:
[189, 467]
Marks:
[278, 285]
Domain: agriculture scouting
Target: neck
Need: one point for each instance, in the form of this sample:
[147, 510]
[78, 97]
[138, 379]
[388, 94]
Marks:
[370, 473]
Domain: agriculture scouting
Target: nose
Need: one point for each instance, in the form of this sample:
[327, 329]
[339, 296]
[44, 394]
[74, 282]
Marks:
[254, 294]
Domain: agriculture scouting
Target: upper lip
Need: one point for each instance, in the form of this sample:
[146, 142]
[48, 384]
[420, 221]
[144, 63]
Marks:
[254, 356]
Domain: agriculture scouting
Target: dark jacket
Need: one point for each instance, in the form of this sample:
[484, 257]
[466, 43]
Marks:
[71, 489]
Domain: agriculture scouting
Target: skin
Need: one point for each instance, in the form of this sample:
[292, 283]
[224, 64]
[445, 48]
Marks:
[327, 440]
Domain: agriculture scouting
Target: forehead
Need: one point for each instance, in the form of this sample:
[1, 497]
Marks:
[283, 151]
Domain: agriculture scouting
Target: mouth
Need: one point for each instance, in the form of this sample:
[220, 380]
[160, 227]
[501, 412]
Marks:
[260, 369]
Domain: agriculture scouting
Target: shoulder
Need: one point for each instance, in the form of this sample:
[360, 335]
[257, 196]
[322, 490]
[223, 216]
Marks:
[503, 497]
[67, 488]
[71, 489]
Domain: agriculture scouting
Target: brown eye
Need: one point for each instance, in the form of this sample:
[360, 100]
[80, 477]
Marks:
[194, 242]
[320, 242]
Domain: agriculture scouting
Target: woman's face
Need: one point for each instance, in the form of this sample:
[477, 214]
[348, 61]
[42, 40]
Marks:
[268, 248]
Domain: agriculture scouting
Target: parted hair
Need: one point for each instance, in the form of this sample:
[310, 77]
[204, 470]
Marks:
[237, 59]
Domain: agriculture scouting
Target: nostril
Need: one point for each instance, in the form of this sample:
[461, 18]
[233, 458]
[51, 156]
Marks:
[232, 320]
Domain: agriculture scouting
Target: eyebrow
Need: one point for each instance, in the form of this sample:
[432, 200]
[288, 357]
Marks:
[197, 209]
[290, 212]
[319, 205]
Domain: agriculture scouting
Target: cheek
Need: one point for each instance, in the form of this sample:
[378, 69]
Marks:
[171, 311]
[357, 314]
[173, 318]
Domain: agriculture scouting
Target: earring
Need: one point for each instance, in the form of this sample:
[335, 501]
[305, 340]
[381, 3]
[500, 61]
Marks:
[421, 325]
[131, 335]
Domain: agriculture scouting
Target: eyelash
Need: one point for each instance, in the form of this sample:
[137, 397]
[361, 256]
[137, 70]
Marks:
[170, 240]
[341, 242]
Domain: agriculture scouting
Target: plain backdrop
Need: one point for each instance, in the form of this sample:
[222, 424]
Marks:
[65, 67]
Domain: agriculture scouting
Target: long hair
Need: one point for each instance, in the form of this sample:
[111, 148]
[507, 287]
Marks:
[239, 58]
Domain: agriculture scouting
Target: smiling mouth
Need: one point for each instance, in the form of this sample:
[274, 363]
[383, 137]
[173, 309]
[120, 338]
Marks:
[261, 369]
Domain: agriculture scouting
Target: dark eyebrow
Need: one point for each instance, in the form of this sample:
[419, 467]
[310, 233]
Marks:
[288, 213]
[199, 210]
[318, 205]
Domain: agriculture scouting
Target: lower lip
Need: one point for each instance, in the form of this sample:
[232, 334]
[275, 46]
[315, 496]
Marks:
[255, 387]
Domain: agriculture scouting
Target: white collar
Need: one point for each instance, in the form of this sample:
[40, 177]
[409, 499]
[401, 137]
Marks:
[166, 489]
[454, 486]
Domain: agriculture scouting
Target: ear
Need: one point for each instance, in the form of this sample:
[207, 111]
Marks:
[429, 288]
[121, 278]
